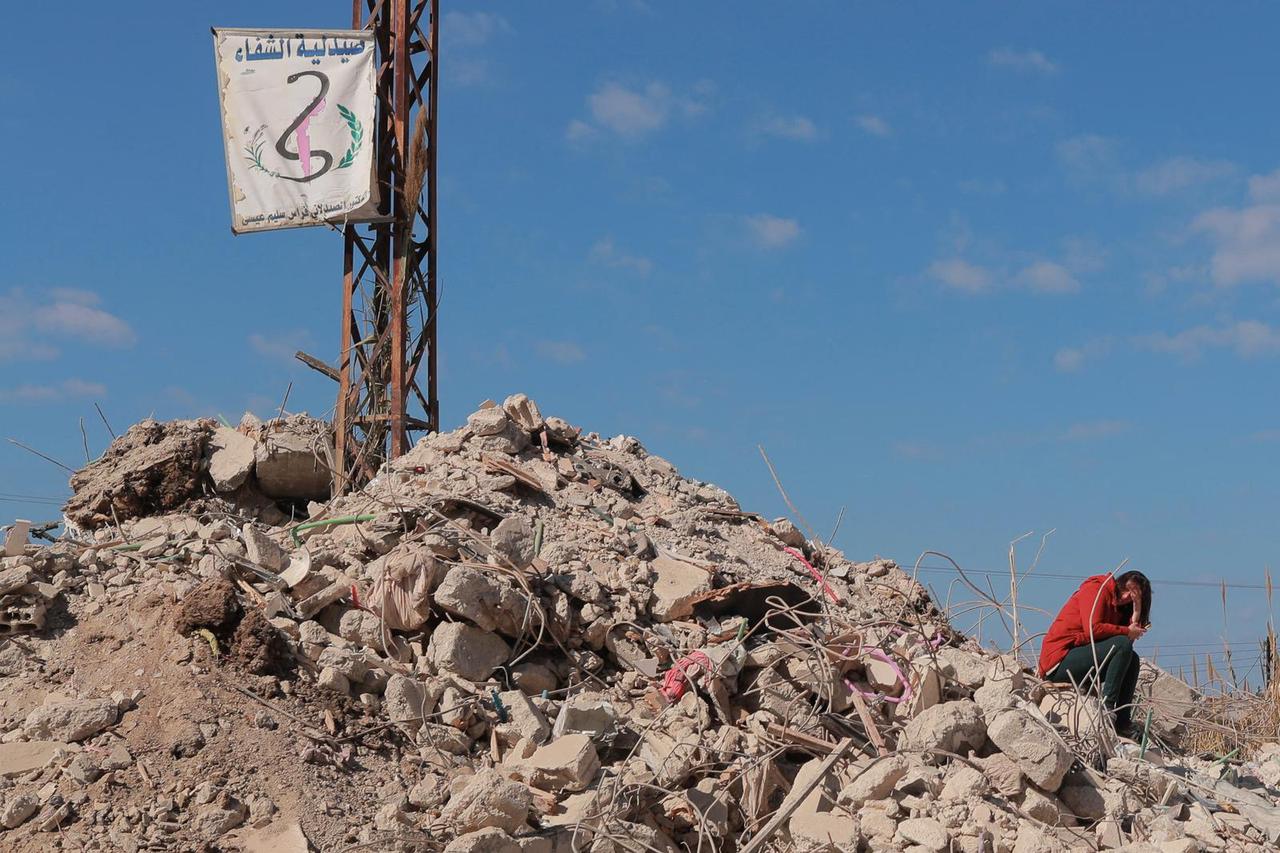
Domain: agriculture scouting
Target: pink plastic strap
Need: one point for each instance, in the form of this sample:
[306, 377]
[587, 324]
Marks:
[826, 587]
[893, 700]
[677, 680]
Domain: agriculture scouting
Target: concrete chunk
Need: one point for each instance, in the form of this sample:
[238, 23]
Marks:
[22, 757]
[263, 550]
[466, 650]
[566, 764]
[488, 799]
[1033, 746]
[952, 726]
[71, 719]
[231, 460]
[873, 780]
[676, 585]
[926, 833]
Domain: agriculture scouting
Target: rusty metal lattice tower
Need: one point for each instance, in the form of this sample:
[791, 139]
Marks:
[389, 291]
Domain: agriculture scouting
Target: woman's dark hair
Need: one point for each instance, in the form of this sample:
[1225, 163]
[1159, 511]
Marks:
[1140, 579]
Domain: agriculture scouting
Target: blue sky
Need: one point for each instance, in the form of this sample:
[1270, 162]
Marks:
[968, 272]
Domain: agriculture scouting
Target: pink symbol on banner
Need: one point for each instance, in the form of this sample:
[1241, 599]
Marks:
[304, 140]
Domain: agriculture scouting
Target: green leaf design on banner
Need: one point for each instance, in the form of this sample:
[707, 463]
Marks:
[357, 137]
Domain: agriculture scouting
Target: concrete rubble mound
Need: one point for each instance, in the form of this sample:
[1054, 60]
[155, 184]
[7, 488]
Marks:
[521, 637]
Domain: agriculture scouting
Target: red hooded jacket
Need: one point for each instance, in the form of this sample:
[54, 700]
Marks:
[1094, 603]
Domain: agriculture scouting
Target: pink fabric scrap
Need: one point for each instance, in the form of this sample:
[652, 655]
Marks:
[677, 679]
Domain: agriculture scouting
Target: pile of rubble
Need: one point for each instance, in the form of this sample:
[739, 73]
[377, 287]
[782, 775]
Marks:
[522, 638]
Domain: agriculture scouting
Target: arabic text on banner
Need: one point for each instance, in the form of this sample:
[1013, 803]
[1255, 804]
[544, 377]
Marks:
[298, 118]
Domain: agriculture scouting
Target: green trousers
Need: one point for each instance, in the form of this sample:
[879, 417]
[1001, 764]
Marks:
[1119, 664]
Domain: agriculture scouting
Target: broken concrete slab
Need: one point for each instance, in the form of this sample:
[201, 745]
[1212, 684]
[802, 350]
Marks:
[231, 459]
[951, 726]
[1036, 750]
[464, 649]
[568, 763]
[292, 460]
[24, 756]
[15, 540]
[263, 550]
[488, 799]
[71, 719]
[676, 585]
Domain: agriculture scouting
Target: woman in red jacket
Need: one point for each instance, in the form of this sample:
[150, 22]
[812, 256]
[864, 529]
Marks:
[1097, 628]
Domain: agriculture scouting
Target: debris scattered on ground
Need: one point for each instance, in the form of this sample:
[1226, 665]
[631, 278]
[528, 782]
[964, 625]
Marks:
[521, 637]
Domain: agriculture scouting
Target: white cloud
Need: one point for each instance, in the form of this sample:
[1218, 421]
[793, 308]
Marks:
[1265, 188]
[798, 128]
[634, 112]
[561, 352]
[471, 29]
[1088, 155]
[772, 232]
[1072, 359]
[66, 390]
[1047, 277]
[32, 326]
[1246, 243]
[1068, 359]
[873, 124]
[469, 71]
[1180, 173]
[579, 131]
[606, 253]
[631, 112]
[1021, 60]
[959, 274]
[1248, 338]
[1040, 277]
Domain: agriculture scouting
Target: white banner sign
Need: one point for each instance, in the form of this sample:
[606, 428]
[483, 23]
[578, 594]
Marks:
[298, 120]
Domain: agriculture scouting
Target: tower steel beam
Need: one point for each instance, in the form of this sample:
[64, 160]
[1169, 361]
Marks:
[389, 289]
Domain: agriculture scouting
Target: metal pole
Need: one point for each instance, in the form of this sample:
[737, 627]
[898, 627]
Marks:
[383, 277]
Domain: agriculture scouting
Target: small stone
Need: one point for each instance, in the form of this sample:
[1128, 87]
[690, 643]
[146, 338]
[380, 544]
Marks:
[363, 627]
[523, 412]
[967, 668]
[586, 713]
[429, 792]
[488, 799]
[786, 530]
[350, 664]
[534, 678]
[333, 680]
[18, 808]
